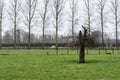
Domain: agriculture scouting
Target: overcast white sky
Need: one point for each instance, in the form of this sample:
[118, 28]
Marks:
[81, 10]
[66, 11]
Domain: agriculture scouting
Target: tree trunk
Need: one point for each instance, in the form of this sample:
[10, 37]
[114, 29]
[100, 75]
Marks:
[43, 35]
[0, 33]
[82, 54]
[82, 40]
[29, 38]
[56, 33]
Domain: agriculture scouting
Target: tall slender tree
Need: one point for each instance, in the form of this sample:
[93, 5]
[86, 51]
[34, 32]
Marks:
[88, 13]
[73, 15]
[101, 11]
[1, 19]
[29, 12]
[45, 19]
[58, 6]
[116, 13]
[14, 17]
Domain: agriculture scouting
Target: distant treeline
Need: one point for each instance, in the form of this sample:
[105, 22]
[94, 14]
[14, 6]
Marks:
[49, 40]
[35, 45]
[52, 45]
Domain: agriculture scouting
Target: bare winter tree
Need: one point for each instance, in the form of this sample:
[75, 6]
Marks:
[29, 12]
[14, 17]
[73, 15]
[1, 20]
[58, 6]
[88, 13]
[45, 19]
[82, 41]
[116, 13]
[101, 11]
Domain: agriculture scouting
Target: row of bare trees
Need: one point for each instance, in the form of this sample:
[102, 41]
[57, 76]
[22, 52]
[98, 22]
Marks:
[102, 14]
[28, 13]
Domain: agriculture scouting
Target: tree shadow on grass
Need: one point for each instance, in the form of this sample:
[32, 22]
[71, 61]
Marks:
[4, 54]
[70, 61]
[87, 61]
[95, 61]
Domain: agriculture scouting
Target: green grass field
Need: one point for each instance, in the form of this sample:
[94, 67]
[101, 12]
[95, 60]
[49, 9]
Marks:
[36, 65]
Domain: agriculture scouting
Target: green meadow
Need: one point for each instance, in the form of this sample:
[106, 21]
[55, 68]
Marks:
[37, 65]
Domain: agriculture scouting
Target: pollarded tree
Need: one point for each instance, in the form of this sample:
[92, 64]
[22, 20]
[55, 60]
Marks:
[82, 41]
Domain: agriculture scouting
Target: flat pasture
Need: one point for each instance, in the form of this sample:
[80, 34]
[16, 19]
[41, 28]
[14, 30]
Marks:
[38, 65]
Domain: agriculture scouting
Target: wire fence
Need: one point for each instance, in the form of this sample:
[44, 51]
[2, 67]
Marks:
[61, 51]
